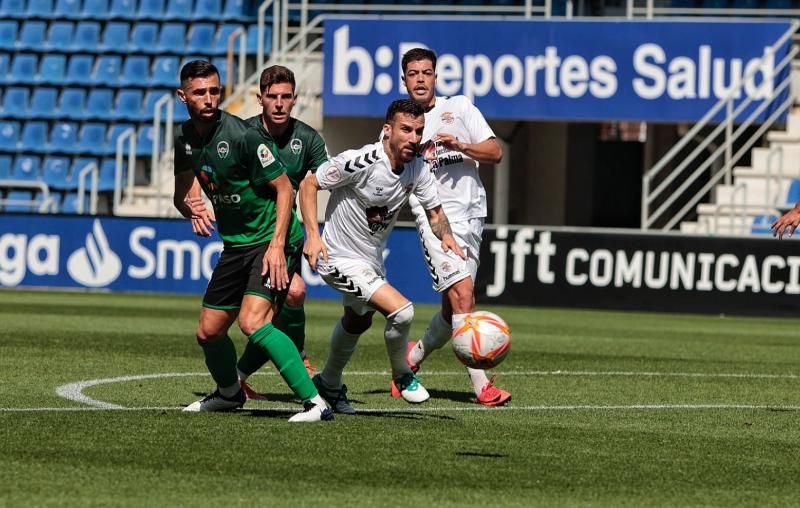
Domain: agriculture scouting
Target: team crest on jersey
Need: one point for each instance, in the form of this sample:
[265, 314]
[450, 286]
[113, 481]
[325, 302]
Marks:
[446, 267]
[379, 191]
[188, 149]
[207, 178]
[264, 155]
[222, 149]
[296, 145]
[448, 118]
[332, 174]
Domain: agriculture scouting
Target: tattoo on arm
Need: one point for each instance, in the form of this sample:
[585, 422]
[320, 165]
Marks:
[440, 226]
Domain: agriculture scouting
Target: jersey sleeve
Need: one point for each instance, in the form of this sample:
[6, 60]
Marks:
[476, 124]
[332, 173]
[261, 163]
[425, 187]
[181, 161]
[317, 155]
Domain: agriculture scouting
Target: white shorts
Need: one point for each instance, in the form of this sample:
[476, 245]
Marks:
[356, 280]
[447, 268]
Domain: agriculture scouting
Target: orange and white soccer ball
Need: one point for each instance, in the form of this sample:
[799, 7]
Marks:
[482, 341]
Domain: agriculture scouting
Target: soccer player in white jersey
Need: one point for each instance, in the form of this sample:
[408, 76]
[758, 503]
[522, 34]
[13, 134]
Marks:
[368, 187]
[455, 141]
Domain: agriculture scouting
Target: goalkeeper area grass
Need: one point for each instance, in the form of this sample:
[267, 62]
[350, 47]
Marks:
[608, 409]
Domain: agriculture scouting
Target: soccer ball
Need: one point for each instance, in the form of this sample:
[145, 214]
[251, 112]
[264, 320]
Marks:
[482, 341]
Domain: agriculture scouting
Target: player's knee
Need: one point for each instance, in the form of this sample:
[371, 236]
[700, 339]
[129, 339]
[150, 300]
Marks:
[404, 317]
[206, 334]
[355, 324]
[461, 297]
[296, 295]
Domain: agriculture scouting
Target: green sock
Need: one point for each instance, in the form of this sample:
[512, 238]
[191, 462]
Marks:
[252, 359]
[287, 360]
[221, 361]
[292, 322]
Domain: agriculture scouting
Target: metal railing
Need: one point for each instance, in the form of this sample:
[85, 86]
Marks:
[651, 8]
[128, 135]
[46, 205]
[656, 202]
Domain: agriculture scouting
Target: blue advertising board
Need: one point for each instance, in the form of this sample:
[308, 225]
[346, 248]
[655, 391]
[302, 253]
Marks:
[154, 255]
[665, 71]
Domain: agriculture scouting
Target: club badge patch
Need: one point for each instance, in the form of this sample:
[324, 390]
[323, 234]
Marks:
[222, 149]
[332, 173]
[296, 145]
[264, 155]
[447, 118]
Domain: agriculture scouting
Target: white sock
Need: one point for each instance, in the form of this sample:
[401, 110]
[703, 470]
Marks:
[229, 391]
[319, 401]
[242, 375]
[479, 379]
[436, 335]
[398, 324]
[343, 345]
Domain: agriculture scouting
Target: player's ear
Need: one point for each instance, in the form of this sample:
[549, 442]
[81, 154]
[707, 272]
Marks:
[181, 95]
[387, 129]
[258, 98]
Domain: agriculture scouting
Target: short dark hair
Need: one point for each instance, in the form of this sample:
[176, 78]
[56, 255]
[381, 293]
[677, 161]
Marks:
[404, 106]
[416, 54]
[274, 75]
[197, 69]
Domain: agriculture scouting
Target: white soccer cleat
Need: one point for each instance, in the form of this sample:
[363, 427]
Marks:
[411, 389]
[312, 413]
[216, 403]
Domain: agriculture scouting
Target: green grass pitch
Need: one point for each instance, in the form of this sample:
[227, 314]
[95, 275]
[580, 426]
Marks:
[609, 409]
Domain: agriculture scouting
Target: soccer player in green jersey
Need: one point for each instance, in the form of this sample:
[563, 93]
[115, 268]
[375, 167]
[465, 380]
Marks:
[300, 149]
[252, 200]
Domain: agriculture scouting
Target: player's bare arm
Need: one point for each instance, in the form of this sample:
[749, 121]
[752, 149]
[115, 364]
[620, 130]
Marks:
[274, 264]
[440, 226]
[788, 222]
[314, 245]
[487, 151]
[183, 185]
[202, 217]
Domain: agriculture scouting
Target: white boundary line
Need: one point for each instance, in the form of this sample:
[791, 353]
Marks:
[74, 392]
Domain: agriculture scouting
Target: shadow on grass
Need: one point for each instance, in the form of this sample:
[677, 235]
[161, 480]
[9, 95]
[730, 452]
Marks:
[486, 455]
[435, 394]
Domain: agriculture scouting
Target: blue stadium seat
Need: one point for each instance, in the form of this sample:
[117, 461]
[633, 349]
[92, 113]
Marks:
[52, 69]
[714, 4]
[122, 9]
[107, 70]
[234, 10]
[67, 9]
[5, 167]
[144, 141]
[70, 203]
[8, 34]
[180, 113]
[144, 38]
[19, 195]
[95, 9]
[201, 38]
[12, 9]
[86, 37]
[136, 71]
[778, 4]
[72, 104]
[99, 104]
[114, 133]
[5, 63]
[23, 69]
[745, 4]
[209, 10]
[78, 69]
[41, 9]
[59, 36]
[15, 103]
[107, 178]
[116, 37]
[129, 105]
[221, 63]
[9, 136]
[55, 173]
[148, 111]
[26, 167]
[172, 38]
[179, 10]
[150, 9]
[63, 137]
[221, 45]
[92, 139]
[165, 71]
[77, 166]
[34, 137]
[44, 103]
[252, 40]
[32, 35]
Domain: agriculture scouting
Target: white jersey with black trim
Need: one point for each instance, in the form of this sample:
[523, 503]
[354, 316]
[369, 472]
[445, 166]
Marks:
[460, 187]
[366, 196]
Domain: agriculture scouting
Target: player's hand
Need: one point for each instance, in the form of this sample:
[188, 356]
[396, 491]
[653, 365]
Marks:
[313, 248]
[449, 244]
[788, 222]
[273, 268]
[449, 141]
[202, 218]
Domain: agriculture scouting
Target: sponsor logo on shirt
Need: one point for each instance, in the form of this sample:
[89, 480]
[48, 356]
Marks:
[378, 218]
[207, 178]
[447, 118]
[222, 149]
[264, 155]
[188, 149]
[332, 174]
[296, 145]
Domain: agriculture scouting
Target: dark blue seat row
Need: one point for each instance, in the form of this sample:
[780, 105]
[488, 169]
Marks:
[90, 70]
[37, 137]
[60, 173]
[66, 203]
[121, 37]
[186, 10]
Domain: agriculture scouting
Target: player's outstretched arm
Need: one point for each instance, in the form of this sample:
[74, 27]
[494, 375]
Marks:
[274, 264]
[787, 222]
[487, 151]
[440, 227]
[189, 203]
[314, 246]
